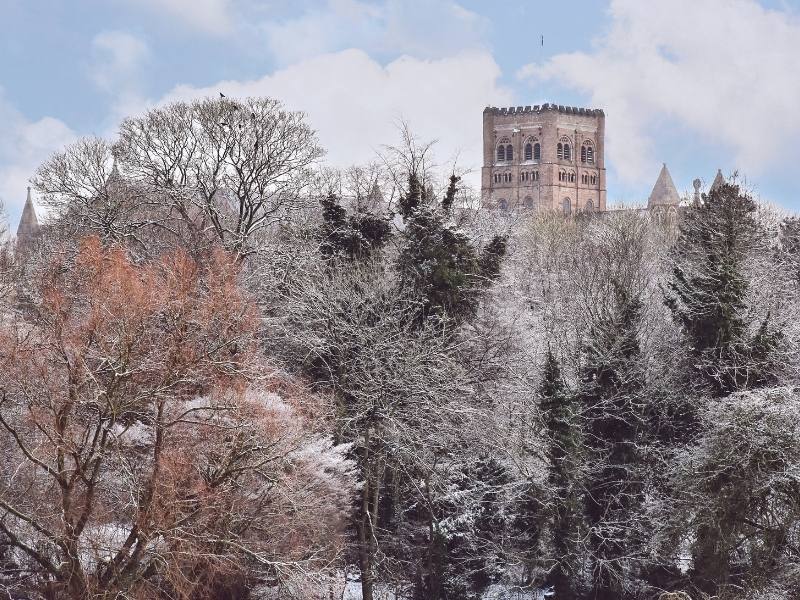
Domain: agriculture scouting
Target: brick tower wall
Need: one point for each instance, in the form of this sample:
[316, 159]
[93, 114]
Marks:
[505, 182]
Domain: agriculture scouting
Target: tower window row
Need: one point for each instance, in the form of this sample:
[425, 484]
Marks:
[566, 205]
[524, 176]
[532, 150]
[566, 176]
[588, 179]
[529, 176]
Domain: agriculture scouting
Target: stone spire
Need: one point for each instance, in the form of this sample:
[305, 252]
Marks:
[664, 192]
[718, 180]
[28, 228]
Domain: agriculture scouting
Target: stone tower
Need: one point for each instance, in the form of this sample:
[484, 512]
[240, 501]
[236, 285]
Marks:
[545, 157]
[28, 228]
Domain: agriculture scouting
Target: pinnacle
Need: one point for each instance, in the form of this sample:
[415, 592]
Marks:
[28, 227]
[664, 192]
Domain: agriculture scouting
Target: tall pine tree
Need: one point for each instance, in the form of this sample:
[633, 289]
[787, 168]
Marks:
[612, 381]
[560, 412]
[439, 262]
[708, 294]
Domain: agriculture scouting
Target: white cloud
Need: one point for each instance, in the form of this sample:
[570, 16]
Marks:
[118, 58]
[723, 70]
[355, 103]
[24, 145]
[423, 28]
[208, 16]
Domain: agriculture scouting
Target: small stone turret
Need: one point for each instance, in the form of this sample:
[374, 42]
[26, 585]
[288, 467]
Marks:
[28, 228]
[664, 192]
[718, 180]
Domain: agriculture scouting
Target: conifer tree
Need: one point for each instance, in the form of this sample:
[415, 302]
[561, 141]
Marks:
[611, 394]
[357, 236]
[450, 195]
[558, 408]
[414, 197]
[708, 294]
[440, 262]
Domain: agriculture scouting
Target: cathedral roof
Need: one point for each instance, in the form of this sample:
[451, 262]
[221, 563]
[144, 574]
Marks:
[664, 192]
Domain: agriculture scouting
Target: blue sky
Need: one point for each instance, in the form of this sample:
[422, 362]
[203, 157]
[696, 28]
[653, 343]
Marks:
[698, 84]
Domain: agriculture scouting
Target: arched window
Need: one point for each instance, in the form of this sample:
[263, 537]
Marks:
[562, 175]
[566, 151]
[536, 175]
[509, 152]
[594, 179]
[566, 206]
[503, 149]
[502, 204]
[537, 151]
[589, 206]
[587, 151]
[560, 151]
[528, 151]
[528, 202]
[572, 176]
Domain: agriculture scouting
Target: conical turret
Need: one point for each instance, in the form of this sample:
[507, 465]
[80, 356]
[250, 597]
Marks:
[718, 180]
[28, 228]
[664, 192]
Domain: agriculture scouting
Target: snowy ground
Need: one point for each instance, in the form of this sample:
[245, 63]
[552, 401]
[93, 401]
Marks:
[495, 592]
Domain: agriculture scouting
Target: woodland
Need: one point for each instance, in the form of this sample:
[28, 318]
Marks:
[229, 370]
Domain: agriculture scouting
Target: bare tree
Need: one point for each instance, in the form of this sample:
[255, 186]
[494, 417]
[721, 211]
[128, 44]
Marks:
[241, 164]
[146, 456]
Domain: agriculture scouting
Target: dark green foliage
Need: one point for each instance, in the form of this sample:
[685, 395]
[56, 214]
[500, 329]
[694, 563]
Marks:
[440, 263]
[469, 522]
[492, 257]
[414, 197]
[560, 413]
[611, 395]
[450, 195]
[354, 237]
[708, 293]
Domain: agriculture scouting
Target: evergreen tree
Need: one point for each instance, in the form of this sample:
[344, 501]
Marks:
[463, 558]
[450, 195]
[414, 197]
[708, 293]
[558, 408]
[611, 395]
[440, 262]
[357, 236]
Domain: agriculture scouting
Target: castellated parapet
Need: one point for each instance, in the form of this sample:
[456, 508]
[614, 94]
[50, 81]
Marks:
[548, 157]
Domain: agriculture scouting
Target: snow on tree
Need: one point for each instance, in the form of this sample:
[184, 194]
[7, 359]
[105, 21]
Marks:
[146, 450]
[730, 348]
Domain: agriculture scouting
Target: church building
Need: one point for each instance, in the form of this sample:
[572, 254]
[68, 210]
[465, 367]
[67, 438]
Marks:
[547, 157]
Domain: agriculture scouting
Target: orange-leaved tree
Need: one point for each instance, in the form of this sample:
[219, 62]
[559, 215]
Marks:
[145, 452]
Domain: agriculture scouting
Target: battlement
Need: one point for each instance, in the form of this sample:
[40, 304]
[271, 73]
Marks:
[569, 110]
